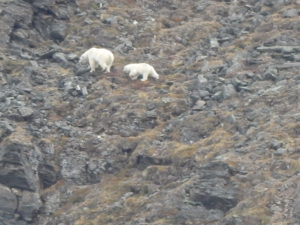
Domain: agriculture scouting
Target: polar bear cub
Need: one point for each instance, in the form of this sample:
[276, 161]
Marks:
[135, 69]
[98, 57]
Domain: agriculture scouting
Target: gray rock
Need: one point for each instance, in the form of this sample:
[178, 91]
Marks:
[280, 151]
[202, 81]
[8, 203]
[276, 144]
[218, 96]
[125, 46]
[199, 105]
[58, 31]
[47, 54]
[271, 74]
[17, 14]
[88, 21]
[72, 57]
[212, 189]
[68, 85]
[60, 58]
[82, 70]
[29, 205]
[47, 174]
[73, 166]
[203, 94]
[214, 43]
[5, 129]
[84, 91]
[16, 168]
[287, 65]
[195, 127]
[296, 205]
[228, 91]
[26, 112]
[291, 13]
[284, 49]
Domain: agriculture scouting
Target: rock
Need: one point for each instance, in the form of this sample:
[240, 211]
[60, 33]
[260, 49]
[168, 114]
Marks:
[37, 77]
[204, 94]
[280, 151]
[15, 14]
[5, 129]
[47, 174]
[214, 43]
[60, 58]
[88, 21]
[58, 31]
[8, 203]
[291, 13]
[199, 105]
[73, 167]
[68, 85]
[72, 57]
[84, 91]
[17, 170]
[202, 82]
[228, 91]
[283, 49]
[212, 189]
[143, 161]
[29, 205]
[47, 54]
[296, 204]
[214, 141]
[238, 84]
[125, 46]
[287, 65]
[195, 127]
[26, 112]
[218, 96]
[82, 70]
[271, 74]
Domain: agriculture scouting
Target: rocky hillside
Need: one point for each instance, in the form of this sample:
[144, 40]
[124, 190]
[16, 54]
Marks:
[214, 141]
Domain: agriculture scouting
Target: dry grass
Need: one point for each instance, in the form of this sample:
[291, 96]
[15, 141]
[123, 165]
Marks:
[14, 67]
[20, 135]
[205, 149]
[256, 208]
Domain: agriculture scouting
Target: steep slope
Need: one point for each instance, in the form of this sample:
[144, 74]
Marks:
[214, 141]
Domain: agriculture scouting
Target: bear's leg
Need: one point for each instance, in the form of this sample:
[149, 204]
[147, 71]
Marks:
[102, 65]
[145, 77]
[108, 68]
[92, 65]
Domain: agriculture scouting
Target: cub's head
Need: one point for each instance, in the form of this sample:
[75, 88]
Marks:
[126, 69]
[155, 75]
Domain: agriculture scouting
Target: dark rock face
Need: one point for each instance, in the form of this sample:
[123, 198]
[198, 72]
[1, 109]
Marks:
[213, 141]
[16, 170]
[213, 189]
[14, 15]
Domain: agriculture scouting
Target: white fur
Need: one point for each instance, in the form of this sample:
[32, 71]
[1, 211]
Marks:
[98, 57]
[135, 69]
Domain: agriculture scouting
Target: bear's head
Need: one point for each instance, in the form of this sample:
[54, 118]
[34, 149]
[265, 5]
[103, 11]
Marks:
[82, 59]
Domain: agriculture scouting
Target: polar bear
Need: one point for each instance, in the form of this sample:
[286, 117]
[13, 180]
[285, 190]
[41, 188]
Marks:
[135, 69]
[98, 57]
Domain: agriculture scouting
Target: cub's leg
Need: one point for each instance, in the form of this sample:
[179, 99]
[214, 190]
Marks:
[145, 76]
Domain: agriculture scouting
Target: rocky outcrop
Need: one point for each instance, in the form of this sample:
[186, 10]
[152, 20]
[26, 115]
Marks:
[213, 141]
